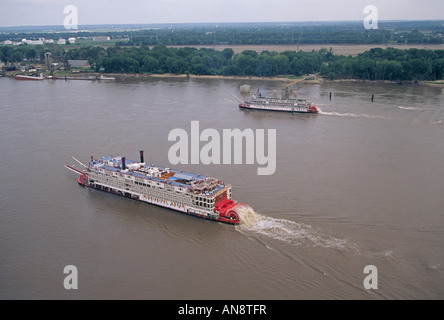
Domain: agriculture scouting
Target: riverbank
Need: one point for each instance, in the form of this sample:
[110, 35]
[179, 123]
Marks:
[142, 76]
[192, 76]
[288, 79]
[438, 83]
[316, 79]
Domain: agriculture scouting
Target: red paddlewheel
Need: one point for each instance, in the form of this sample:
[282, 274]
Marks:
[233, 216]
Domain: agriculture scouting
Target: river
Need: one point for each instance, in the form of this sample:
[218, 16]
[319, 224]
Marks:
[359, 184]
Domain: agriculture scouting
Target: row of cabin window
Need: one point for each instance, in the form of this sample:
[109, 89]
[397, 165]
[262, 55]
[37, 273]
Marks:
[203, 204]
[204, 200]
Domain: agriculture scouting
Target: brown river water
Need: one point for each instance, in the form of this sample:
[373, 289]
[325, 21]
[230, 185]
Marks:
[359, 184]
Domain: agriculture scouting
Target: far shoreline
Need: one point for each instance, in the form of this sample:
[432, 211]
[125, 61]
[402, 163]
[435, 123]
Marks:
[284, 78]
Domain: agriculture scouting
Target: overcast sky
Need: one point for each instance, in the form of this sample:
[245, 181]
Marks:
[50, 12]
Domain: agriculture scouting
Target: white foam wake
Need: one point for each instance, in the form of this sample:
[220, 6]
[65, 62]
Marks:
[407, 108]
[294, 233]
[352, 115]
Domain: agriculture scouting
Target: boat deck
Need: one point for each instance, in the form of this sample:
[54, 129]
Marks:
[172, 177]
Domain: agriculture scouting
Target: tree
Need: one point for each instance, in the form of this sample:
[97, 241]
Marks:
[228, 53]
[326, 55]
[160, 51]
[250, 53]
[417, 69]
[31, 54]
[282, 64]
[266, 66]
[130, 65]
[245, 64]
[150, 64]
[176, 65]
[120, 65]
[364, 68]
[390, 70]
[6, 53]
[326, 71]
[438, 69]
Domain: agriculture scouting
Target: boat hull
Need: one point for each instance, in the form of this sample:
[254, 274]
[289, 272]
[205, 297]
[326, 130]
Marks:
[22, 77]
[83, 181]
[242, 106]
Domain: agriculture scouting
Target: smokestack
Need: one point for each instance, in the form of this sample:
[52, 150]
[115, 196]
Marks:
[141, 156]
[123, 163]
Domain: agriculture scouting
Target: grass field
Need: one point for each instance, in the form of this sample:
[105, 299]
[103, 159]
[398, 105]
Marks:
[341, 49]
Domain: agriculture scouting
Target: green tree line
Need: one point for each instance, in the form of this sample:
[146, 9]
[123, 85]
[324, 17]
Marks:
[204, 61]
[350, 32]
[387, 64]
[281, 36]
[375, 64]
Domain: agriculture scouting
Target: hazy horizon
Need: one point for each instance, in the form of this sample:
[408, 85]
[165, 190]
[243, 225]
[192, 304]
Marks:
[26, 13]
[141, 26]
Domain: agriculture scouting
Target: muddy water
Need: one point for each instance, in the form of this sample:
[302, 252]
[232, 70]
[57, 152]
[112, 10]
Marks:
[359, 184]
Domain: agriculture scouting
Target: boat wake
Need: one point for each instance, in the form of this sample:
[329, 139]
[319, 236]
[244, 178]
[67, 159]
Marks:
[407, 108]
[294, 233]
[352, 115]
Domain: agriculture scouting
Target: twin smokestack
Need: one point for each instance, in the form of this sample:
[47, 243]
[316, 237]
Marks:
[124, 160]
